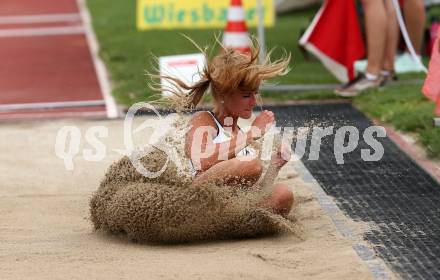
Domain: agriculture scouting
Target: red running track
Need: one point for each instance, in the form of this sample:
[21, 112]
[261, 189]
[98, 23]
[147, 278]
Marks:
[47, 69]
[35, 7]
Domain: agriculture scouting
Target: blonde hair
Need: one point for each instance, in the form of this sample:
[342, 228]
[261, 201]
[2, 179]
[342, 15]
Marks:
[223, 74]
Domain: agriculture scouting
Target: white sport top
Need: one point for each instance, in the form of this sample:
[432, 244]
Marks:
[223, 136]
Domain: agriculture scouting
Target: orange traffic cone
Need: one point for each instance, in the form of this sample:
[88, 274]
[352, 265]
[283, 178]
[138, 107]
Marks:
[236, 34]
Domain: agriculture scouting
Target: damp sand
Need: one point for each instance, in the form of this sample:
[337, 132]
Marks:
[46, 231]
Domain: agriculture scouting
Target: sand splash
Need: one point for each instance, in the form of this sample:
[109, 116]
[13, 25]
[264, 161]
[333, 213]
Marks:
[169, 209]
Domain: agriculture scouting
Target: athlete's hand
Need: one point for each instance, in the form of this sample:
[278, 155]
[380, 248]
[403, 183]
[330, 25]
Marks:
[282, 155]
[263, 122]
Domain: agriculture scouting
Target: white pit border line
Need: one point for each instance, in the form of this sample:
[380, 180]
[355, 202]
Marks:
[16, 116]
[13, 108]
[101, 71]
[46, 31]
[376, 265]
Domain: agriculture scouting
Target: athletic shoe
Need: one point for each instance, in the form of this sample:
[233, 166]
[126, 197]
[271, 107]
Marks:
[387, 78]
[404, 63]
[360, 66]
[359, 84]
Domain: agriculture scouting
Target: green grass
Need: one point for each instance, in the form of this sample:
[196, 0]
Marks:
[128, 54]
[404, 107]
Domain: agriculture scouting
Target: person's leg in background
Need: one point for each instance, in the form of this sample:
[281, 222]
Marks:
[392, 41]
[376, 28]
[376, 31]
[415, 18]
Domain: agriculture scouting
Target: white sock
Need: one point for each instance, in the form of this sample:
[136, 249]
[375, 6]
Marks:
[370, 77]
[385, 73]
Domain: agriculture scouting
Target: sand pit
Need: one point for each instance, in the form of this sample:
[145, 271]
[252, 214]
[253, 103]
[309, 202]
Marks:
[45, 231]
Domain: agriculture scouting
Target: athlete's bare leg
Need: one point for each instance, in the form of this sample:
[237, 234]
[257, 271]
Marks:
[244, 171]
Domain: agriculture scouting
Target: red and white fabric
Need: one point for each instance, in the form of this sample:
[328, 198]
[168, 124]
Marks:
[335, 38]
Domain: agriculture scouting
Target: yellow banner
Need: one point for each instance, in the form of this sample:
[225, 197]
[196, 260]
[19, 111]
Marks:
[196, 14]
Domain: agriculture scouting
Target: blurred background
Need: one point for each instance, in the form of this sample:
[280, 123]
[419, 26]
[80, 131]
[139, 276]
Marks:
[127, 52]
